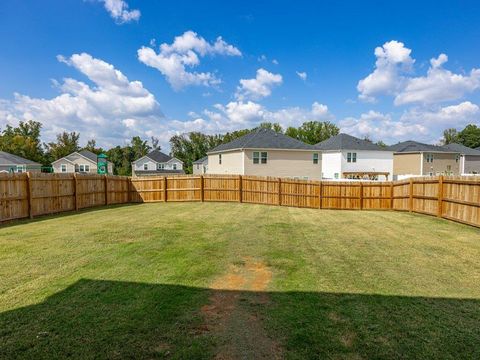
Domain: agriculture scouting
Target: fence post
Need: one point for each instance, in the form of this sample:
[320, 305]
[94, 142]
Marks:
[361, 196]
[240, 188]
[391, 195]
[29, 196]
[440, 196]
[75, 190]
[165, 188]
[320, 195]
[279, 192]
[129, 191]
[106, 189]
[410, 194]
[201, 188]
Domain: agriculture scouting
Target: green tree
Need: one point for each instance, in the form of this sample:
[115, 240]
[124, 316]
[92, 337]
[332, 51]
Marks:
[450, 136]
[272, 126]
[470, 136]
[23, 140]
[92, 146]
[139, 147]
[313, 132]
[66, 144]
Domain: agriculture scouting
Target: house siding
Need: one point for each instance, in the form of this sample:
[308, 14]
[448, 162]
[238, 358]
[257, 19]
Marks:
[369, 161]
[199, 169]
[440, 164]
[332, 165]
[407, 164]
[77, 160]
[285, 163]
[232, 163]
[472, 164]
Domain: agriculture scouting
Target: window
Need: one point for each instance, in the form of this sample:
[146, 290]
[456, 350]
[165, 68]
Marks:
[449, 168]
[174, 166]
[352, 157]
[145, 166]
[63, 168]
[160, 166]
[315, 158]
[87, 168]
[220, 159]
[336, 175]
[198, 166]
[429, 158]
[264, 157]
[256, 157]
[457, 158]
[84, 168]
[21, 168]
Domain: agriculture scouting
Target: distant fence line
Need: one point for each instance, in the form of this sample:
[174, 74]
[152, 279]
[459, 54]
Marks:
[34, 194]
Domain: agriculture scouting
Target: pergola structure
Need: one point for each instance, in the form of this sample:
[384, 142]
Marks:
[371, 175]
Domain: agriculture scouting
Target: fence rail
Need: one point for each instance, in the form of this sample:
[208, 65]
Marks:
[34, 194]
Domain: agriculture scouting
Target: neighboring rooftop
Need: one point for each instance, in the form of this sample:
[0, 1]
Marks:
[158, 156]
[462, 149]
[414, 146]
[10, 159]
[159, 171]
[348, 142]
[203, 160]
[263, 139]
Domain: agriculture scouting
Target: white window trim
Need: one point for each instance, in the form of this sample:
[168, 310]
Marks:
[63, 168]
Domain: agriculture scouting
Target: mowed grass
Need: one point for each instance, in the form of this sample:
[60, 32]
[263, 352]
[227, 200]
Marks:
[131, 282]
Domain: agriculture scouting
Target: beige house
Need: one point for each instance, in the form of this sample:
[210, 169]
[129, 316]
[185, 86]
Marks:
[469, 158]
[157, 163]
[411, 158]
[265, 152]
[200, 166]
[79, 162]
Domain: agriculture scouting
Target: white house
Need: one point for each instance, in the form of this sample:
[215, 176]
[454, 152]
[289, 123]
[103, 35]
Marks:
[157, 163]
[347, 157]
[79, 161]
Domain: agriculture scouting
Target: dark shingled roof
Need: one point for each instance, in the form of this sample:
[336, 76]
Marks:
[348, 142]
[462, 149]
[88, 154]
[158, 156]
[202, 160]
[414, 146]
[10, 159]
[263, 139]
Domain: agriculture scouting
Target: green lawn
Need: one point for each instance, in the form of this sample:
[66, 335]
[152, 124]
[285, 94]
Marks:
[240, 281]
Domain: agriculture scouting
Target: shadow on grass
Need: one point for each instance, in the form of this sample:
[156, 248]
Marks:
[108, 319]
[16, 222]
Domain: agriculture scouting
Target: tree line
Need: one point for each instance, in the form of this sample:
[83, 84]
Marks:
[24, 140]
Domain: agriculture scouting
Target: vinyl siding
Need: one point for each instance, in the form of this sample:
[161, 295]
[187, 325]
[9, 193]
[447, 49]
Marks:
[232, 163]
[440, 164]
[407, 164]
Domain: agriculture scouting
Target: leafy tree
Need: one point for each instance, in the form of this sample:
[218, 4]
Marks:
[66, 144]
[92, 146]
[272, 126]
[155, 143]
[450, 136]
[23, 141]
[139, 147]
[313, 132]
[470, 136]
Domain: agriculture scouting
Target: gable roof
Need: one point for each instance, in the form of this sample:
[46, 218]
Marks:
[348, 142]
[263, 139]
[462, 149]
[414, 146]
[158, 156]
[11, 159]
[202, 160]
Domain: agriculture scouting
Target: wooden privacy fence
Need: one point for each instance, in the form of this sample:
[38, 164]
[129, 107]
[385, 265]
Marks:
[454, 198]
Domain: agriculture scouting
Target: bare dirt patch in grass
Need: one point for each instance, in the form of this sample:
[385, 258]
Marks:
[232, 321]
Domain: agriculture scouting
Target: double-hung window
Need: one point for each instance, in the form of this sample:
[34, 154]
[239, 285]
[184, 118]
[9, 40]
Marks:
[160, 166]
[145, 166]
[263, 157]
[63, 168]
[220, 159]
[352, 157]
[429, 158]
[256, 157]
[84, 168]
[174, 166]
[21, 168]
[315, 158]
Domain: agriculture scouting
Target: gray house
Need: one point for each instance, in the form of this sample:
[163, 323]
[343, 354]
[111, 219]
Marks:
[10, 163]
[157, 163]
[264, 152]
[469, 158]
[200, 166]
[79, 162]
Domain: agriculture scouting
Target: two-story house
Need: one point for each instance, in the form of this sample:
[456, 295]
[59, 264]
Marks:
[347, 157]
[411, 158]
[157, 163]
[469, 158]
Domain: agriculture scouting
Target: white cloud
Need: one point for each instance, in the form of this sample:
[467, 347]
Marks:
[302, 75]
[393, 59]
[275, 62]
[439, 85]
[173, 59]
[259, 87]
[113, 108]
[118, 10]
[379, 126]
[457, 116]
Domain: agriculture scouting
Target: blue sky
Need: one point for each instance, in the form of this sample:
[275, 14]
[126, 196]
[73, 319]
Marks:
[381, 69]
